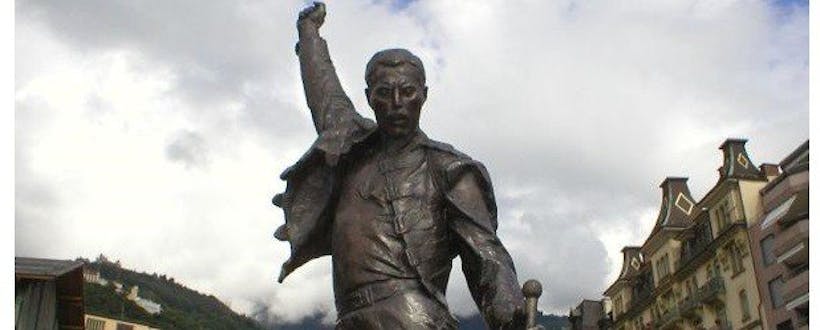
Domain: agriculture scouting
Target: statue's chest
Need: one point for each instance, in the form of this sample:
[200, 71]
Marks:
[398, 190]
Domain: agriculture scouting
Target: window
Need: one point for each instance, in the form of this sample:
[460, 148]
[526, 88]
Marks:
[684, 204]
[737, 259]
[742, 160]
[744, 305]
[722, 215]
[767, 249]
[662, 266]
[123, 326]
[635, 263]
[776, 291]
[689, 289]
[802, 315]
[721, 318]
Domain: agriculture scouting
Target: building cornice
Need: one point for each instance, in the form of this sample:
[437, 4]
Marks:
[786, 174]
[795, 154]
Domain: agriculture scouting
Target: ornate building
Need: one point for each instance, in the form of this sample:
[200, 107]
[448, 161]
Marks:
[696, 270]
[590, 314]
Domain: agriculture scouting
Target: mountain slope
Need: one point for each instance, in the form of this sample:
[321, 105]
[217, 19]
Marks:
[182, 308]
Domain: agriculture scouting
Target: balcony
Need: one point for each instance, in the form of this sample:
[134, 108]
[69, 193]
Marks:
[790, 244]
[712, 292]
[668, 320]
[697, 240]
[640, 299]
[691, 306]
[795, 289]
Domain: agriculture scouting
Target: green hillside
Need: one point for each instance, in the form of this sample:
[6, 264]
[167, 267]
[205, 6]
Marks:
[182, 308]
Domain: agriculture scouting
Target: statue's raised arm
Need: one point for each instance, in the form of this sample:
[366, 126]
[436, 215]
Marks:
[328, 103]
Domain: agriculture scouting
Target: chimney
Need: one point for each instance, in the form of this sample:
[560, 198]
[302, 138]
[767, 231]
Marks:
[736, 161]
[770, 169]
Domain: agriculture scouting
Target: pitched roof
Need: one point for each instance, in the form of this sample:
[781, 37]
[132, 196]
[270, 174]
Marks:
[677, 204]
[43, 268]
[736, 162]
[793, 158]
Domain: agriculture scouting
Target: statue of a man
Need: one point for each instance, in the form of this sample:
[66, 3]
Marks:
[391, 206]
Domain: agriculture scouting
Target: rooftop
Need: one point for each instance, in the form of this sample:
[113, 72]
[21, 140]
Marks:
[43, 268]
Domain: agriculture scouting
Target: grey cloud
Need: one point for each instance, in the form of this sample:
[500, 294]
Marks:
[37, 221]
[555, 241]
[216, 51]
[188, 148]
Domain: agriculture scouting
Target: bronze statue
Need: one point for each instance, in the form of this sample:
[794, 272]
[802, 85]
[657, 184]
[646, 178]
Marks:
[390, 205]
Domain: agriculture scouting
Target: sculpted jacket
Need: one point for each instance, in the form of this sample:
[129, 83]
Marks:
[457, 201]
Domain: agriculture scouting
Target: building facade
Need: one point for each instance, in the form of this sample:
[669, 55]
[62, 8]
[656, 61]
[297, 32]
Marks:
[48, 294]
[96, 322]
[698, 269]
[590, 315]
[780, 242]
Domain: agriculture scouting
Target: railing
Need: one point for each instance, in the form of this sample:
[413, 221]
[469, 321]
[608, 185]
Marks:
[788, 241]
[689, 253]
[639, 297]
[688, 306]
[668, 319]
[697, 243]
[711, 290]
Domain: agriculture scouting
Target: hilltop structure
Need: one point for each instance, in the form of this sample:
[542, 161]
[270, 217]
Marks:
[702, 266]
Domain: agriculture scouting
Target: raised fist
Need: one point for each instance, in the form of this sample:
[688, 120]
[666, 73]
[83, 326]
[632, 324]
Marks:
[313, 15]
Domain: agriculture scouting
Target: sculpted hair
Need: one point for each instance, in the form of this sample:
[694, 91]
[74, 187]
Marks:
[394, 58]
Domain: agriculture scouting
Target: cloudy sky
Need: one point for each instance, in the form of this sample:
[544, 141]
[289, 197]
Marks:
[154, 131]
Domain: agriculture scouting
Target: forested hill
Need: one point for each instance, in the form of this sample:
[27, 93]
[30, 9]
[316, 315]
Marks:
[182, 308]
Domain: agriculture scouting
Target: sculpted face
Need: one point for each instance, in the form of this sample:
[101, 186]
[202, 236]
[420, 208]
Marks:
[396, 95]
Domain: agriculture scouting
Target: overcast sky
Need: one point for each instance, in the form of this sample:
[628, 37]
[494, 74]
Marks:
[154, 131]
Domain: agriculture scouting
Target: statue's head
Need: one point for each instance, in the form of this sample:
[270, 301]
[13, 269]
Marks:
[396, 90]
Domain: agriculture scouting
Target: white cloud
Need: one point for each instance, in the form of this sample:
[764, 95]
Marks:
[156, 133]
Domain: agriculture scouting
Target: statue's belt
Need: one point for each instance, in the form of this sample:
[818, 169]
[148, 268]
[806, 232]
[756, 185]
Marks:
[372, 293]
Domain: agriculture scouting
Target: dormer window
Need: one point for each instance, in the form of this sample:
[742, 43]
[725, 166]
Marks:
[635, 263]
[742, 160]
[684, 204]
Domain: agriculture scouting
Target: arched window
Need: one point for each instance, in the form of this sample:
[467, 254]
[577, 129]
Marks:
[744, 305]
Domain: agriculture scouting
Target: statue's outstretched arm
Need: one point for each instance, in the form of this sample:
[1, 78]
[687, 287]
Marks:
[326, 99]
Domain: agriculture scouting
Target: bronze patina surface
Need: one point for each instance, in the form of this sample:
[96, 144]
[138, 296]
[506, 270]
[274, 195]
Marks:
[391, 206]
